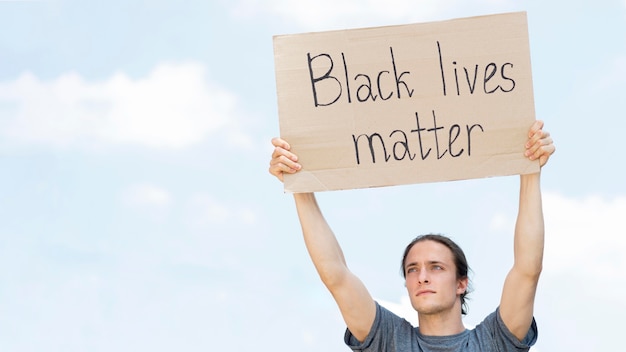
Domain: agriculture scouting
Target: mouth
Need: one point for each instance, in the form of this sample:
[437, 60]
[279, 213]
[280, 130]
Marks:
[424, 293]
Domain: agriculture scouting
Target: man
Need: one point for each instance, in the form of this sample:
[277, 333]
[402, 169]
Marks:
[434, 282]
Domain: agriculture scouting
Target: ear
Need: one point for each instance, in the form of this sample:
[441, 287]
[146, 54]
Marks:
[462, 285]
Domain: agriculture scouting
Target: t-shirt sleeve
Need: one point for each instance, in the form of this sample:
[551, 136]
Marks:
[387, 333]
[503, 338]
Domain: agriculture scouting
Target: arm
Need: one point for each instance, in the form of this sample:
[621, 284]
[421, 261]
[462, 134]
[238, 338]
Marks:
[355, 303]
[520, 286]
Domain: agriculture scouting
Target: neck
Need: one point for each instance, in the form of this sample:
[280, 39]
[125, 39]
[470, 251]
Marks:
[441, 323]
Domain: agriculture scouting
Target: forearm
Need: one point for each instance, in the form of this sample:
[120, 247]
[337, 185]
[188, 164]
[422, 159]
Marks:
[520, 286]
[529, 228]
[320, 240]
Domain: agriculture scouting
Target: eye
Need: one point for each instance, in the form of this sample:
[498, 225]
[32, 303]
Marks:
[410, 270]
[437, 267]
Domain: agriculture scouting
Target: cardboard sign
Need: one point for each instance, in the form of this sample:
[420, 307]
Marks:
[406, 104]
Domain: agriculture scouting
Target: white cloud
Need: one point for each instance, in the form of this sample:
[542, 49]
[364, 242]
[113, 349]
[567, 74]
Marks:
[611, 78]
[500, 222]
[321, 14]
[585, 236]
[211, 211]
[146, 195]
[173, 107]
[310, 14]
[205, 211]
[577, 230]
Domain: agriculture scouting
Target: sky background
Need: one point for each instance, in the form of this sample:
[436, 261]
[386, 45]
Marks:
[137, 213]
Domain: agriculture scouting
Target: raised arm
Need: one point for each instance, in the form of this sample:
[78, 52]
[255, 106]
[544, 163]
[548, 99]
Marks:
[355, 302]
[520, 286]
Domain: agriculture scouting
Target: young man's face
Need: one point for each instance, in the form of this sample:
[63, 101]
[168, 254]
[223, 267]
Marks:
[431, 278]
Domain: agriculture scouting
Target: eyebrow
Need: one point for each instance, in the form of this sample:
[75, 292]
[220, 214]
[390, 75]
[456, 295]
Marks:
[430, 262]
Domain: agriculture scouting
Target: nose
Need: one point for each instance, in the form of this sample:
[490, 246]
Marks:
[423, 277]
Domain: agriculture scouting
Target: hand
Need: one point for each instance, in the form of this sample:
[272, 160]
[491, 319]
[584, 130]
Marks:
[283, 161]
[539, 144]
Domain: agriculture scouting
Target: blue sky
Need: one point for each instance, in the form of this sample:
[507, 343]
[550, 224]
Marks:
[138, 214]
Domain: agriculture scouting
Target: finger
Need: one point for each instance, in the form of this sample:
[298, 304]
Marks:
[281, 165]
[283, 162]
[536, 126]
[545, 148]
[536, 141]
[280, 169]
[543, 159]
[532, 145]
[540, 148]
[281, 153]
[281, 147]
[536, 136]
[279, 142]
[535, 145]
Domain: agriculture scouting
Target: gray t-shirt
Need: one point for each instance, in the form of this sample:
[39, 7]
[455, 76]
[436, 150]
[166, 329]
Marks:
[391, 333]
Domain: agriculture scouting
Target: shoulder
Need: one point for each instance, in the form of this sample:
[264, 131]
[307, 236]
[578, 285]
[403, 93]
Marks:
[492, 328]
[387, 328]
